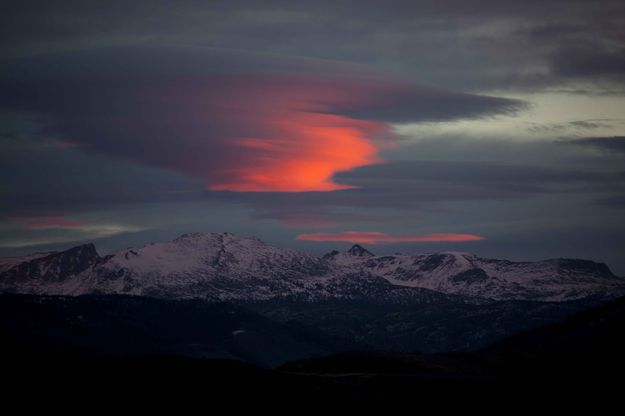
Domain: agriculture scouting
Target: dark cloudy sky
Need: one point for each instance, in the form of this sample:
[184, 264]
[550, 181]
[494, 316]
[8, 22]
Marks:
[494, 127]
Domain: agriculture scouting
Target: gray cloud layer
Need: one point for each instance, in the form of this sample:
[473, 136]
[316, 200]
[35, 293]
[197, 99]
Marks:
[460, 44]
[609, 144]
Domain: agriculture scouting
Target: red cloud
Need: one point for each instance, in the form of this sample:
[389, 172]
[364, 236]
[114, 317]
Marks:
[54, 222]
[303, 153]
[372, 237]
[237, 121]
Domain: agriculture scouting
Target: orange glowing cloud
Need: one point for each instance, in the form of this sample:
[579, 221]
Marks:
[303, 154]
[372, 237]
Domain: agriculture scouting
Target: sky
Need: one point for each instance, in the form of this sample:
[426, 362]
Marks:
[490, 127]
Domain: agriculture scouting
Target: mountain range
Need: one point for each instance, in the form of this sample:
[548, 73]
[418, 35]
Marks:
[405, 302]
[222, 266]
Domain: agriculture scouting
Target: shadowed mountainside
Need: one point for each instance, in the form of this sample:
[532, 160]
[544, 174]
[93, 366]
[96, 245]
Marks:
[580, 356]
[134, 326]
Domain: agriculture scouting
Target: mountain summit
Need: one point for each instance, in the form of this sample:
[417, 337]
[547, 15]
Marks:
[359, 251]
[355, 254]
[223, 266]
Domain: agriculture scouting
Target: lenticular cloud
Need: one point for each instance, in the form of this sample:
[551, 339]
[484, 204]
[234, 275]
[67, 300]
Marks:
[237, 121]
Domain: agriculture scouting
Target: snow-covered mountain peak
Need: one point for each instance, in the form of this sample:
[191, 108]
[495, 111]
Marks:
[459, 258]
[199, 239]
[355, 255]
[226, 266]
[457, 254]
[359, 251]
[466, 274]
[223, 253]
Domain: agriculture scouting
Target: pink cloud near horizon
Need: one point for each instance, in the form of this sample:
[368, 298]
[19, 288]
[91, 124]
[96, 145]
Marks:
[54, 222]
[372, 237]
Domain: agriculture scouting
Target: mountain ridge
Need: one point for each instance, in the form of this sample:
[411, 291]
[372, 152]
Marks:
[223, 266]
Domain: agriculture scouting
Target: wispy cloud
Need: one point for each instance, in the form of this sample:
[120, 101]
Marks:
[36, 229]
[54, 222]
[372, 237]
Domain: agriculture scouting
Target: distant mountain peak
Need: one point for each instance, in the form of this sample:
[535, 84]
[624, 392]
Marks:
[457, 253]
[331, 255]
[87, 250]
[225, 266]
[355, 254]
[54, 267]
[359, 251]
[199, 236]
